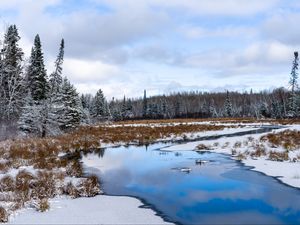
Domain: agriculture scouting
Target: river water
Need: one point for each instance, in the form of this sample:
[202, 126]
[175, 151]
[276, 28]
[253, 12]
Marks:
[219, 191]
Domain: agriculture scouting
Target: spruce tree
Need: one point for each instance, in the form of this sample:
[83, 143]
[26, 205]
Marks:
[71, 115]
[55, 80]
[11, 73]
[100, 109]
[36, 73]
[293, 100]
[228, 106]
[29, 121]
[145, 105]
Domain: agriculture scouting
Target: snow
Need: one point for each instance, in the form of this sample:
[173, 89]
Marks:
[97, 210]
[192, 145]
[287, 172]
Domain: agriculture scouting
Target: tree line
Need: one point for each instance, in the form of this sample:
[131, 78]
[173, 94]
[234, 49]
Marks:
[36, 103]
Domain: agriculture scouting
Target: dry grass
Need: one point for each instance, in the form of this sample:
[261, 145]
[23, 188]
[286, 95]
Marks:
[278, 156]
[203, 147]
[288, 139]
[213, 120]
[3, 215]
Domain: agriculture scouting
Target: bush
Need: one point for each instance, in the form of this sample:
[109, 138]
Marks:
[7, 184]
[44, 186]
[71, 190]
[24, 180]
[3, 215]
[89, 187]
[74, 169]
[203, 147]
[278, 156]
[43, 205]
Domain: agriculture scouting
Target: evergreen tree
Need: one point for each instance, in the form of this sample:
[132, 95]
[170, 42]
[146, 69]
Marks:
[55, 80]
[11, 73]
[293, 100]
[228, 106]
[145, 105]
[71, 115]
[100, 108]
[29, 121]
[36, 73]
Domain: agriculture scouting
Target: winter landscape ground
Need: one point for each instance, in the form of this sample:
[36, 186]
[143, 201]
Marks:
[46, 181]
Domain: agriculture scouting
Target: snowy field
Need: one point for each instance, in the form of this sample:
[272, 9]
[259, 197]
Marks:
[97, 210]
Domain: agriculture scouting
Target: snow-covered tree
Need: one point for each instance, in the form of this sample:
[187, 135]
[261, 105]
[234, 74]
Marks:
[100, 109]
[11, 73]
[55, 79]
[145, 104]
[71, 115]
[36, 72]
[29, 121]
[293, 100]
[228, 106]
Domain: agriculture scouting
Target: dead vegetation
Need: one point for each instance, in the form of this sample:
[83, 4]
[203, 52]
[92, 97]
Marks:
[287, 139]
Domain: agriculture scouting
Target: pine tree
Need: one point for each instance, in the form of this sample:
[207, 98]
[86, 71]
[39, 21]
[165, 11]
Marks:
[54, 98]
[11, 73]
[99, 106]
[55, 80]
[29, 121]
[228, 106]
[145, 105]
[293, 100]
[36, 73]
[71, 116]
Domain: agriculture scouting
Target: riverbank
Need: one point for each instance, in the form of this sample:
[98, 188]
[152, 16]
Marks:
[100, 209]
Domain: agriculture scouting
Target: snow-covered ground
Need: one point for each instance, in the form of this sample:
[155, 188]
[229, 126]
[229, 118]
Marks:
[286, 171]
[97, 210]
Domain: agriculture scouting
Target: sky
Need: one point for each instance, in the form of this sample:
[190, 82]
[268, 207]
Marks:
[163, 46]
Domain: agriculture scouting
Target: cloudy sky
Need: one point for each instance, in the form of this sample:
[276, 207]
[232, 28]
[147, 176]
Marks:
[125, 46]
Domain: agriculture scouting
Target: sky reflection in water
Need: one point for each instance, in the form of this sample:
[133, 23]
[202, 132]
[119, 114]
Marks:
[219, 192]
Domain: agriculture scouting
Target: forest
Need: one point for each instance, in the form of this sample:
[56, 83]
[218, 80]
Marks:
[34, 102]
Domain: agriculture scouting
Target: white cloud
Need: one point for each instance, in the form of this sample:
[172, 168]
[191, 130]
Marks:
[89, 72]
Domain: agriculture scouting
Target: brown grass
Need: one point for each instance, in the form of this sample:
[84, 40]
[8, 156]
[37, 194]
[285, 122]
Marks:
[279, 156]
[3, 215]
[288, 139]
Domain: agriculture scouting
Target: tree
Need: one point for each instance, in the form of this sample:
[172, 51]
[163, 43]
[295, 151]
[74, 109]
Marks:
[29, 121]
[71, 115]
[100, 108]
[228, 106]
[11, 73]
[36, 73]
[55, 80]
[145, 104]
[293, 100]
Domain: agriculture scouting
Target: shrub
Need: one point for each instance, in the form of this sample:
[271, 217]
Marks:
[278, 156]
[71, 190]
[203, 147]
[43, 205]
[89, 187]
[7, 183]
[44, 186]
[24, 180]
[3, 215]
[74, 169]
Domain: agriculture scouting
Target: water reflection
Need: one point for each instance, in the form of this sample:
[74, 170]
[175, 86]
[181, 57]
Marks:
[220, 191]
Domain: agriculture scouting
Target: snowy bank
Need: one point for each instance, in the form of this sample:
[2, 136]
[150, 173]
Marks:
[97, 210]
